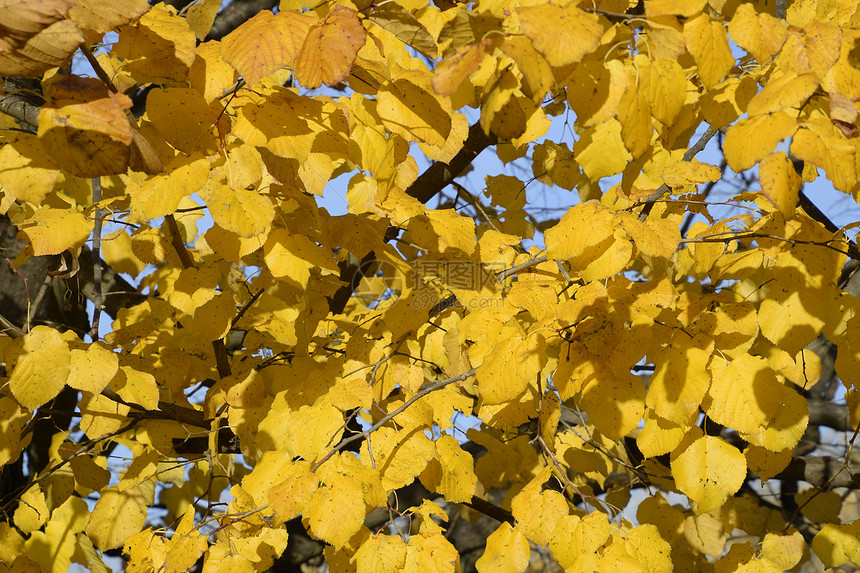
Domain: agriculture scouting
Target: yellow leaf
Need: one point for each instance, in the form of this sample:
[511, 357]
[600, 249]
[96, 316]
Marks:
[634, 113]
[28, 173]
[511, 365]
[201, 15]
[822, 146]
[92, 369]
[654, 237]
[814, 50]
[431, 553]
[32, 511]
[581, 229]
[187, 123]
[210, 74]
[330, 49]
[451, 71]
[39, 366]
[307, 432]
[186, 545]
[836, 544]
[664, 85]
[659, 436]
[158, 48]
[615, 402]
[245, 212]
[574, 537]
[136, 387]
[709, 44]
[507, 551]
[413, 113]
[52, 231]
[785, 550]
[51, 47]
[786, 91]
[400, 22]
[600, 150]
[743, 393]
[161, 194]
[194, 287]
[266, 43]
[758, 33]
[536, 510]
[213, 320]
[102, 17]
[85, 127]
[290, 497]
[562, 34]
[116, 516]
[401, 457]
[88, 473]
[645, 543]
[680, 174]
[708, 470]
[291, 257]
[751, 140]
[680, 380]
[381, 554]
[336, 511]
[536, 71]
[780, 183]
[458, 478]
[684, 8]
[100, 415]
[443, 230]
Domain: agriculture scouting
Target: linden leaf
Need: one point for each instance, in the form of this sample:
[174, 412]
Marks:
[507, 551]
[742, 393]
[116, 516]
[562, 34]
[246, 212]
[600, 150]
[85, 126]
[159, 48]
[102, 17]
[52, 231]
[686, 8]
[396, 20]
[536, 72]
[136, 387]
[382, 554]
[708, 470]
[780, 182]
[758, 33]
[336, 511]
[785, 91]
[39, 366]
[413, 113]
[330, 49]
[201, 15]
[92, 369]
[292, 257]
[574, 537]
[451, 71]
[750, 140]
[266, 43]
[634, 113]
[184, 118]
[709, 44]
[510, 367]
[458, 478]
[536, 510]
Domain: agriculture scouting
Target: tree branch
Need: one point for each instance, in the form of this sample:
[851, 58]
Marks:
[236, 14]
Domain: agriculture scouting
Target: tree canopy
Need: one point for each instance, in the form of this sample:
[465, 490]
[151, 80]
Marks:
[202, 368]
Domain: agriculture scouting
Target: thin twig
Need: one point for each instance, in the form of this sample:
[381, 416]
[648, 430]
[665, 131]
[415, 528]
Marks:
[98, 299]
[387, 418]
[688, 156]
[502, 275]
